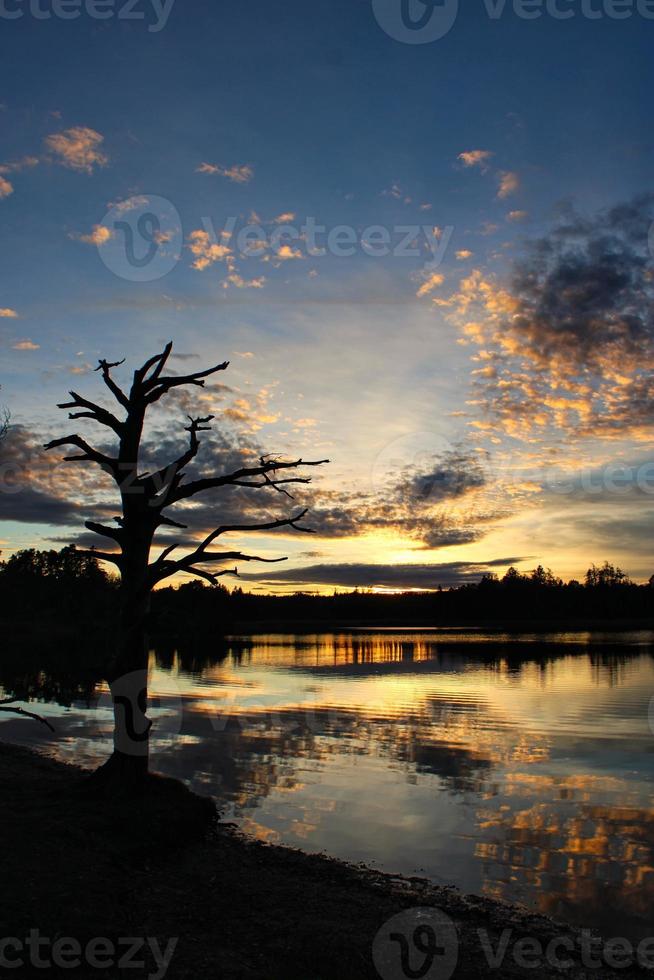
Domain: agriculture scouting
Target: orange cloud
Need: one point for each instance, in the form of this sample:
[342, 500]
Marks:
[476, 158]
[78, 148]
[238, 173]
[25, 345]
[205, 250]
[509, 182]
[98, 236]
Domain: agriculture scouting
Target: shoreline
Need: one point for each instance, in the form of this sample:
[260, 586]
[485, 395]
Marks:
[240, 908]
[515, 628]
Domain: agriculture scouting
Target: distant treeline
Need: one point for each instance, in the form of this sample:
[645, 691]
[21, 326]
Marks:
[66, 588]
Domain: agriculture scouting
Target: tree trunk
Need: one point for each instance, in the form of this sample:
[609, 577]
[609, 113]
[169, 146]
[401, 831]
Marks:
[126, 771]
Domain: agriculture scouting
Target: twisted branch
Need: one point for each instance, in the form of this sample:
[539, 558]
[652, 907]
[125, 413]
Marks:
[23, 713]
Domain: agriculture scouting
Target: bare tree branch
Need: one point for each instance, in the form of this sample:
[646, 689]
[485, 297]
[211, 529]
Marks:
[162, 568]
[238, 477]
[4, 423]
[116, 533]
[157, 386]
[146, 497]
[93, 411]
[89, 453]
[25, 714]
[163, 477]
[117, 392]
[158, 361]
[113, 556]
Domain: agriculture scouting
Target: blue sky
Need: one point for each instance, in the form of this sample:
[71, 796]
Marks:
[259, 111]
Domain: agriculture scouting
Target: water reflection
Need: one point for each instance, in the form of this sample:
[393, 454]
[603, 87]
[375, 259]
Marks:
[517, 767]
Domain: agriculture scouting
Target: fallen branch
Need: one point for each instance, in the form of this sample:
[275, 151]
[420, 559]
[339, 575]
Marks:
[25, 714]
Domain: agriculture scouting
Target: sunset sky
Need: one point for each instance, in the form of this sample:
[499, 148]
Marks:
[446, 285]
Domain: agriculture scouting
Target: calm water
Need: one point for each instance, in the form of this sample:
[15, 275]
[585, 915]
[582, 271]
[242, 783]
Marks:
[512, 767]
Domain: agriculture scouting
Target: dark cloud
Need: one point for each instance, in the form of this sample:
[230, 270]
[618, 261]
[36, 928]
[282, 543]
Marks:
[430, 502]
[32, 488]
[33, 507]
[362, 575]
[585, 292]
[570, 344]
[417, 501]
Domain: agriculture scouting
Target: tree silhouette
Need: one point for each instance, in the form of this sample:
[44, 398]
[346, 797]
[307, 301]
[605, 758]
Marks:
[145, 498]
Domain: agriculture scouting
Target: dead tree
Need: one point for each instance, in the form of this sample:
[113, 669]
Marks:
[146, 498]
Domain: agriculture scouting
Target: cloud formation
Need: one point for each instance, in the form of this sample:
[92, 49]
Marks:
[238, 173]
[476, 158]
[567, 347]
[206, 250]
[25, 345]
[98, 236]
[78, 148]
[364, 575]
[508, 182]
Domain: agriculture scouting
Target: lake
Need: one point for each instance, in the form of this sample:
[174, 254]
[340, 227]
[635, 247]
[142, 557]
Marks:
[518, 767]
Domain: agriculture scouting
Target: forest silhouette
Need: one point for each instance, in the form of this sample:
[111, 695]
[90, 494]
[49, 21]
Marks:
[61, 591]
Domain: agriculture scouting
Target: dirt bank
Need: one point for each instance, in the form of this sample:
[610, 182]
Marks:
[73, 868]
